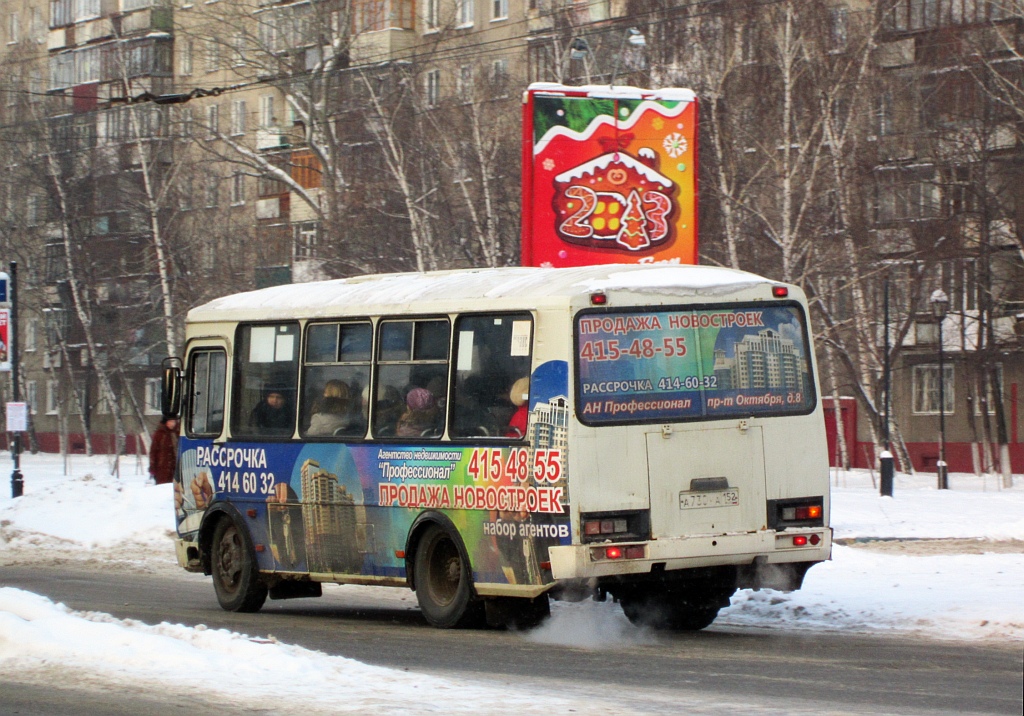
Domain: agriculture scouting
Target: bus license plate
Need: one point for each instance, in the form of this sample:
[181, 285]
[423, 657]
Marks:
[718, 498]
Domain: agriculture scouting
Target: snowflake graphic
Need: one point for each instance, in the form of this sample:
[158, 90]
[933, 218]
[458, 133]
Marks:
[675, 144]
[549, 164]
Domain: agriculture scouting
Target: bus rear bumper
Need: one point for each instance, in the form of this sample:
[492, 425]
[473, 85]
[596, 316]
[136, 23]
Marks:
[769, 547]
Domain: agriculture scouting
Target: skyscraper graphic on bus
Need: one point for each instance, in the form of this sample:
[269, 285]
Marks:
[765, 360]
[549, 424]
[329, 515]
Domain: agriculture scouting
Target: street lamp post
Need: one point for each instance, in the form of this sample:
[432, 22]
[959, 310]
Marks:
[940, 305]
[635, 38]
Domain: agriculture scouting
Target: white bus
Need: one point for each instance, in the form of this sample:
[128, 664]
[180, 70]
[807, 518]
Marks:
[494, 437]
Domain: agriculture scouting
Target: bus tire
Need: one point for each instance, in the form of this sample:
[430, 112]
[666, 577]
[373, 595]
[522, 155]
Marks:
[443, 582]
[664, 610]
[236, 578]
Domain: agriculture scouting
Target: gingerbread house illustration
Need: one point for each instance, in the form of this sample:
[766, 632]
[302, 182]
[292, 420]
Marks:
[616, 201]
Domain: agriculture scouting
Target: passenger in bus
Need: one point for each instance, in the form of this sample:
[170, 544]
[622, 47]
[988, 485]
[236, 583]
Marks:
[273, 414]
[421, 415]
[333, 415]
[389, 408]
[520, 397]
[472, 400]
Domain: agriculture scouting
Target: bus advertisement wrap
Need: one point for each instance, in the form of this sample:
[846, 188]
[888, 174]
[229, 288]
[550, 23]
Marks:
[609, 176]
[348, 508]
[679, 365]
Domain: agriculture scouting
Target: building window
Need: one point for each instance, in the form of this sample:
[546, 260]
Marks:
[926, 389]
[466, 83]
[31, 326]
[307, 234]
[838, 17]
[499, 9]
[213, 121]
[185, 193]
[910, 195]
[210, 192]
[186, 57]
[237, 188]
[52, 397]
[433, 88]
[542, 65]
[153, 401]
[238, 50]
[989, 405]
[267, 118]
[212, 56]
[86, 9]
[13, 28]
[432, 18]
[238, 117]
[886, 120]
[32, 396]
[465, 12]
[370, 15]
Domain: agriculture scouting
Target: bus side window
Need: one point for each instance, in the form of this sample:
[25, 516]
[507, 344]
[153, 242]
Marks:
[206, 395]
[412, 379]
[492, 352]
[266, 376]
[336, 373]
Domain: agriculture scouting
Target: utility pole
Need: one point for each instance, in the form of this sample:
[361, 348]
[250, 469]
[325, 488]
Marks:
[886, 467]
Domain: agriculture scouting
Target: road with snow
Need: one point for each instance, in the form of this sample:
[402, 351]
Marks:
[642, 672]
[920, 611]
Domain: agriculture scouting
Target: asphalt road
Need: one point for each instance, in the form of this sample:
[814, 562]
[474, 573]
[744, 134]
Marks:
[717, 671]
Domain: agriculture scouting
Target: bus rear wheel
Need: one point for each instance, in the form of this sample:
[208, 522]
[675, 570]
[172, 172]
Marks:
[443, 582]
[668, 610]
[236, 578]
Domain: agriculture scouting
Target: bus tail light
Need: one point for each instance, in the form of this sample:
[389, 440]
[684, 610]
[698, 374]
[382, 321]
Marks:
[598, 299]
[615, 526]
[798, 512]
[780, 291]
[799, 540]
[615, 552]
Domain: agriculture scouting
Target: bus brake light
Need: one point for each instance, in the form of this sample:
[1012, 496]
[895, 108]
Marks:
[598, 299]
[780, 291]
[799, 540]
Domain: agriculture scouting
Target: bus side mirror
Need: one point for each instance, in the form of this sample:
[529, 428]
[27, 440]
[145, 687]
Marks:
[170, 388]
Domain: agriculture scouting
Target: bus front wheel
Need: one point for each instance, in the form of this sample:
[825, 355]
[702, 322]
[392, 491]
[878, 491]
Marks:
[236, 578]
[443, 582]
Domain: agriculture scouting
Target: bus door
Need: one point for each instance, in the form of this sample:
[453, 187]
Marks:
[706, 479]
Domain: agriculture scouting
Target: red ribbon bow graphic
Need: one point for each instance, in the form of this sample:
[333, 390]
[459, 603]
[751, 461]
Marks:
[613, 144]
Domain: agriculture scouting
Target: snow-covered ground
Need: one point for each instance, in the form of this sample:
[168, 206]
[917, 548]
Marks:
[936, 564]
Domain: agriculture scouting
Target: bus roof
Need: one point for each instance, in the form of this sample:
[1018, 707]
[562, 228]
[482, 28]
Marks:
[444, 291]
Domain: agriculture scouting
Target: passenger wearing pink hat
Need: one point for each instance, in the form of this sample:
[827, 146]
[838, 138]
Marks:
[421, 416]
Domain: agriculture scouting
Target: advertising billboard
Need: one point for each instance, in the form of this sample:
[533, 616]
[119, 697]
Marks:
[609, 175]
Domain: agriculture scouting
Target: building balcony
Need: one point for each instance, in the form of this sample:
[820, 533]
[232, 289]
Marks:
[382, 45]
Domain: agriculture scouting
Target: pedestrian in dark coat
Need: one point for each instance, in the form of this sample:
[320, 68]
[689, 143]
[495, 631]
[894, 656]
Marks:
[163, 453]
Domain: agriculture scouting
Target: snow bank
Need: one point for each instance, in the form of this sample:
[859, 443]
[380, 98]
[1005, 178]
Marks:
[36, 634]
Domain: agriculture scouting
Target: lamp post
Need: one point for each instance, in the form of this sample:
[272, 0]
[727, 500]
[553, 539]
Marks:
[635, 38]
[940, 305]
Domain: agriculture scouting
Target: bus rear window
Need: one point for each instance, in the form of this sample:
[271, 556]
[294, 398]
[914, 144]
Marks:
[686, 364]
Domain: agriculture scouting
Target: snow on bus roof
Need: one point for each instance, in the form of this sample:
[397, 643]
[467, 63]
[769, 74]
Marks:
[326, 297]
